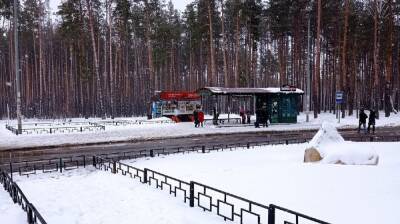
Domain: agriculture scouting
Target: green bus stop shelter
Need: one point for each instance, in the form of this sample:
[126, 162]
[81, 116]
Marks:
[282, 103]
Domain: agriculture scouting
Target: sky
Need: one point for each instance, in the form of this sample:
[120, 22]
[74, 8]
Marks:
[179, 4]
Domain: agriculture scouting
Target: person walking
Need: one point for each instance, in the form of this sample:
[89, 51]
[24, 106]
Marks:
[362, 121]
[201, 118]
[242, 115]
[371, 121]
[248, 116]
[196, 118]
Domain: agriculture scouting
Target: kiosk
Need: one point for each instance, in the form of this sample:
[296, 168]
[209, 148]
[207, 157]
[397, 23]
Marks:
[280, 104]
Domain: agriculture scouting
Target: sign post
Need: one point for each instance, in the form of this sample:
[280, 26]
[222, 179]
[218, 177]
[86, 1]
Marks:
[339, 101]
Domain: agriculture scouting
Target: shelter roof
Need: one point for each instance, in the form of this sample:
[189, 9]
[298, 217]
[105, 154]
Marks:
[248, 91]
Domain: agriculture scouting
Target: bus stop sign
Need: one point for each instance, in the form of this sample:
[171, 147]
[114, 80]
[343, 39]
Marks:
[339, 97]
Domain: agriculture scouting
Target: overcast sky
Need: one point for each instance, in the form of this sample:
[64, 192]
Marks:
[179, 4]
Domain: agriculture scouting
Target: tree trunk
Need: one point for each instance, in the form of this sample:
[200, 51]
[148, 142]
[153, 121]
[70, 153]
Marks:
[317, 63]
[212, 48]
[96, 59]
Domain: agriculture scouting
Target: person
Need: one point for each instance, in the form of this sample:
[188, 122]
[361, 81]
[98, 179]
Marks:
[362, 120]
[201, 118]
[248, 116]
[258, 118]
[241, 113]
[196, 118]
[371, 121]
[265, 115]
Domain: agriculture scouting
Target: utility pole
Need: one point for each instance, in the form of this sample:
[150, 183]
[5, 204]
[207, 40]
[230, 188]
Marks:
[17, 72]
[308, 91]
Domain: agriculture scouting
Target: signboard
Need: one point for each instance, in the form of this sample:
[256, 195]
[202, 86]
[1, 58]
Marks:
[339, 97]
[179, 96]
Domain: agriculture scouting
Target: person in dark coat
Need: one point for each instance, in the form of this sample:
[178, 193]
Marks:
[362, 120]
[371, 121]
[248, 116]
[196, 118]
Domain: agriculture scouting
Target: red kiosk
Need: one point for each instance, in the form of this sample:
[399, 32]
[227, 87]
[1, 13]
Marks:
[177, 105]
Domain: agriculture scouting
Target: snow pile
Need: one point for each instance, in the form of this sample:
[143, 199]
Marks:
[161, 119]
[325, 137]
[334, 150]
[10, 213]
[275, 174]
[89, 196]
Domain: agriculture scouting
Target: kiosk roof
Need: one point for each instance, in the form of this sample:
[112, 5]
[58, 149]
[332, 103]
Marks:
[247, 91]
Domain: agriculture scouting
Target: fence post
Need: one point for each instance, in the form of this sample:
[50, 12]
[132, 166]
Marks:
[14, 193]
[248, 145]
[29, 214]
[203, 149]
[84, 161]
[287, 142]
[151, 153]
[50, 131]
[81, 128]
[371, 139]
[191, 194]
[11, 171]
[145, 176]
[271, 214]
[61, 165]
[114, 170]
[94, 161]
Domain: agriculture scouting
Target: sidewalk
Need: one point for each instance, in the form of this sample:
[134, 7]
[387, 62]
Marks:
[155, 131]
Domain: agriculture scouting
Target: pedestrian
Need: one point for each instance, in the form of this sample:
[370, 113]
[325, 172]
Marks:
[248, 116]
[371, 121]
[264, 112]
[201, 118]
[196, 118]
[362, 120]
[242, 115]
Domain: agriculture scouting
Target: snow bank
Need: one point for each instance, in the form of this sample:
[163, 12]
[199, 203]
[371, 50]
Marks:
[10, 213]
[276, 174]
[88, 196]
[334, 150]
[327, 135]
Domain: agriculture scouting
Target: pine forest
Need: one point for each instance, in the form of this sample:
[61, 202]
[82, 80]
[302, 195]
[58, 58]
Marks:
[108, 57]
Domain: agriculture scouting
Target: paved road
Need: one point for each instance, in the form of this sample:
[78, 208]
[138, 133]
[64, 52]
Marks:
[383, 134]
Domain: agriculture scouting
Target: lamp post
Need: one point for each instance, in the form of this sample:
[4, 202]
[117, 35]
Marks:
[17, 71]
[308, 91]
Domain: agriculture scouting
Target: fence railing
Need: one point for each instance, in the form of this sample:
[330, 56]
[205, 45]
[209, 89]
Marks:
[226, 205]
[16, 194]
[54, 129]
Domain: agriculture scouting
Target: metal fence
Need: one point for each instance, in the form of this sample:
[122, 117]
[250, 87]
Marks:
[53, 130]
[33, 215]
[226, 205]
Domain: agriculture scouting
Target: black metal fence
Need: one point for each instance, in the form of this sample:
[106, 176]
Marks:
[79, 127]
[226, 205]
[33, 215]
[75, 126]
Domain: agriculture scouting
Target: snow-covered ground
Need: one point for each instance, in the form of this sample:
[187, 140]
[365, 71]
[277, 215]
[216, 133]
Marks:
[276, 174]
[10, 213]
[149, 131]
[88, 196]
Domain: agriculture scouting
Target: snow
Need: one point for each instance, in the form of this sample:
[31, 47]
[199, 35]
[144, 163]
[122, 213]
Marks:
[87, 196]
[268, 175]
[10, 213]
[152, 131]
[276, 174]
[333, 149]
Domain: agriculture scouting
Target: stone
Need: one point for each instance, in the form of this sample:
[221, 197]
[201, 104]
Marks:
[312, 155]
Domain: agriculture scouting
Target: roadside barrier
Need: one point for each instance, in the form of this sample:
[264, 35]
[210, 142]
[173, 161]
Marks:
[16, 194]
[226, 205]
[229, 206]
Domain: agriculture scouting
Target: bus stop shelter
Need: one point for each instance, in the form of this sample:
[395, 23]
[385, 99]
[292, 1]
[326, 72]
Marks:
[282, 104]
